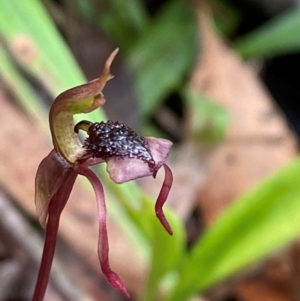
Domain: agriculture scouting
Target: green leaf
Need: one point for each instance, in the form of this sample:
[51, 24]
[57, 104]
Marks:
[166, 250]
[256, 225]
[163, 55]
[207, 120]
[278, 36]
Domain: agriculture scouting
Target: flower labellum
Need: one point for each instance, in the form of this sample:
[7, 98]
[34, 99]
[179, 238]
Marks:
[128, 156]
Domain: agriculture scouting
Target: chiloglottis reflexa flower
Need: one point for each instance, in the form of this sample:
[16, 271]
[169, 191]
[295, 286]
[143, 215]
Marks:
[127, 155]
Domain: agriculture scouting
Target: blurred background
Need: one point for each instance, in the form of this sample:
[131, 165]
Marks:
[220, 78]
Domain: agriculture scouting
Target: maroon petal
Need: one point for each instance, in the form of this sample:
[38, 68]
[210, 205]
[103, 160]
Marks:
[162, 197]
[103, 247]
[127, 169]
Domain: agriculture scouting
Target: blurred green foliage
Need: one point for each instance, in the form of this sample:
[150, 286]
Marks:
[208, 120]
[161, 50]
[263, 220]
[278, 36]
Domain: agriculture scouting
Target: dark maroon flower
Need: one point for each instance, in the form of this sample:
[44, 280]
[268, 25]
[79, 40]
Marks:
[128, 156]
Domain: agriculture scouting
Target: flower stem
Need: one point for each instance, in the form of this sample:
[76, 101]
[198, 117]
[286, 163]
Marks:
[56, 206]
[48, 254]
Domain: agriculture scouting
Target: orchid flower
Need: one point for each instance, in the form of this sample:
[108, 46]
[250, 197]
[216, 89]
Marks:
[128, 156]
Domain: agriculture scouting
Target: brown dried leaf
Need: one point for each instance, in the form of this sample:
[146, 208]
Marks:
[258, 140]
[257, 290]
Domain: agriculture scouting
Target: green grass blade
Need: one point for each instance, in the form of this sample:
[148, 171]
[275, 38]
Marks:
[256, 225]
[27, 97]
[167, 252]
[27, 24]
[278, 36]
